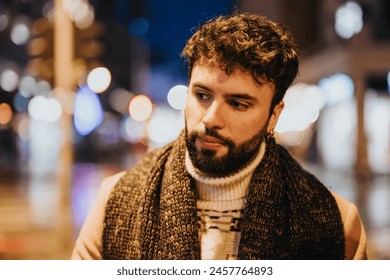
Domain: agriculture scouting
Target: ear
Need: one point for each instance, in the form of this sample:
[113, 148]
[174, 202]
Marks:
[273, 120]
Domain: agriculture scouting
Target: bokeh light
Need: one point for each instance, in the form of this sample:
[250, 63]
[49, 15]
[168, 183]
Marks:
[138, 26]
[48, 9]
[140, 108]
[80, 11]
[45, 109]
[9, 80]
[44, 142]
[22, 128]
[343, 123]
[3, 22]
[133, 131]
[5, 114]
[292, 138]
[20, 103]
[109, 130]
[88, 113]
[27, 85]
[315, 96]
[302, 108]
[349, 20]
[377, 126]
[66, 99]
[164, 126]
[20, 33]
[37, 46]
[119, 100]
[177, 97]
[336, 135]
[338, 88]
[99, 79]
[42, 88]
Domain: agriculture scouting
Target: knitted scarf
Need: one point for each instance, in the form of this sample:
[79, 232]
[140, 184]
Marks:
[151, 212]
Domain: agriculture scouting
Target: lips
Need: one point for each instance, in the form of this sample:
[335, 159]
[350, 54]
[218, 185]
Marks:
[210, 139]
[210, 142]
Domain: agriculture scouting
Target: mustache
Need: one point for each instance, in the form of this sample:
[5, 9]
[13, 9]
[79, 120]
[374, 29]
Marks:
[213, 133]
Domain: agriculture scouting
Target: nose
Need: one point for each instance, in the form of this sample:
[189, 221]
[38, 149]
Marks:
[214, 116]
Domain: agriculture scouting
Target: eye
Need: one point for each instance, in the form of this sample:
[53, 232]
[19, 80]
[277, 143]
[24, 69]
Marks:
[202, 96]
[239, 105]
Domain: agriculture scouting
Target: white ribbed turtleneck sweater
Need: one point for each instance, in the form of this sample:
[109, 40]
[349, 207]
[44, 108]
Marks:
[221, 202]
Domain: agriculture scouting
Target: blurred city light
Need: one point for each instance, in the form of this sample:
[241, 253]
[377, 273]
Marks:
[133, 131]
[45, 109]
[84, 191]
[5, 114]
[85, 17]
[302, 107]
[99, 79]
[27, 85]
[3, 22]
[20, 103]
[44, 141]
[40, 49]
[293, 118]
[316, 96]
[109, 130]
[48, 10]
[42, 88]
[164, 126]
[80, 11]
[22, 127]
[88, 113]
[349, 20]
[292, 138]
[338, 88]
[38, 46]
[119, 100]
[138, 26]
[343, 123]
[66, 99]
[20, 32]
[377, 123]
[336, 135]
[9, 80]
[140, 108]
[177, 97]
[388, 82]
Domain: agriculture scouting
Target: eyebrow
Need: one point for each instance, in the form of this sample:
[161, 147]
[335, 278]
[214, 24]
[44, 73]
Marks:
[244, 96]
[199, 85]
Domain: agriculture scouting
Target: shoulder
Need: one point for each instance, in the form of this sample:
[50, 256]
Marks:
[355, 235]
[109, 183]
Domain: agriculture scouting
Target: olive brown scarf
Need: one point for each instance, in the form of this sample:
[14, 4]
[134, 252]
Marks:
[151, 212]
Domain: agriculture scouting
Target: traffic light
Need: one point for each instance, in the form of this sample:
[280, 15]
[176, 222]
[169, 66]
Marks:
[41, 49]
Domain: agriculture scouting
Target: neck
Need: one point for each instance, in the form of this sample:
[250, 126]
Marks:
[231, 186]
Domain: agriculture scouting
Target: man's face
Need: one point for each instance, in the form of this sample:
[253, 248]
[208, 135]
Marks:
[227, 117]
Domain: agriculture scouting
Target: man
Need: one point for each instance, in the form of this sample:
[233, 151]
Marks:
[224, 189]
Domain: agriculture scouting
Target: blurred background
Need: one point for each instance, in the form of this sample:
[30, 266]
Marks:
[87, 87]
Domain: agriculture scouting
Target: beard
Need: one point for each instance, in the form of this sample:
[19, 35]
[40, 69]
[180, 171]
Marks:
[237, 156]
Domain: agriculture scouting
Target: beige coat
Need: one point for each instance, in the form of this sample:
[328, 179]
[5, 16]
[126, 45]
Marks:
[89, 242]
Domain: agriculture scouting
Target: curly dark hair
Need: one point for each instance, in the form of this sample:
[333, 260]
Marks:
[252, 43]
